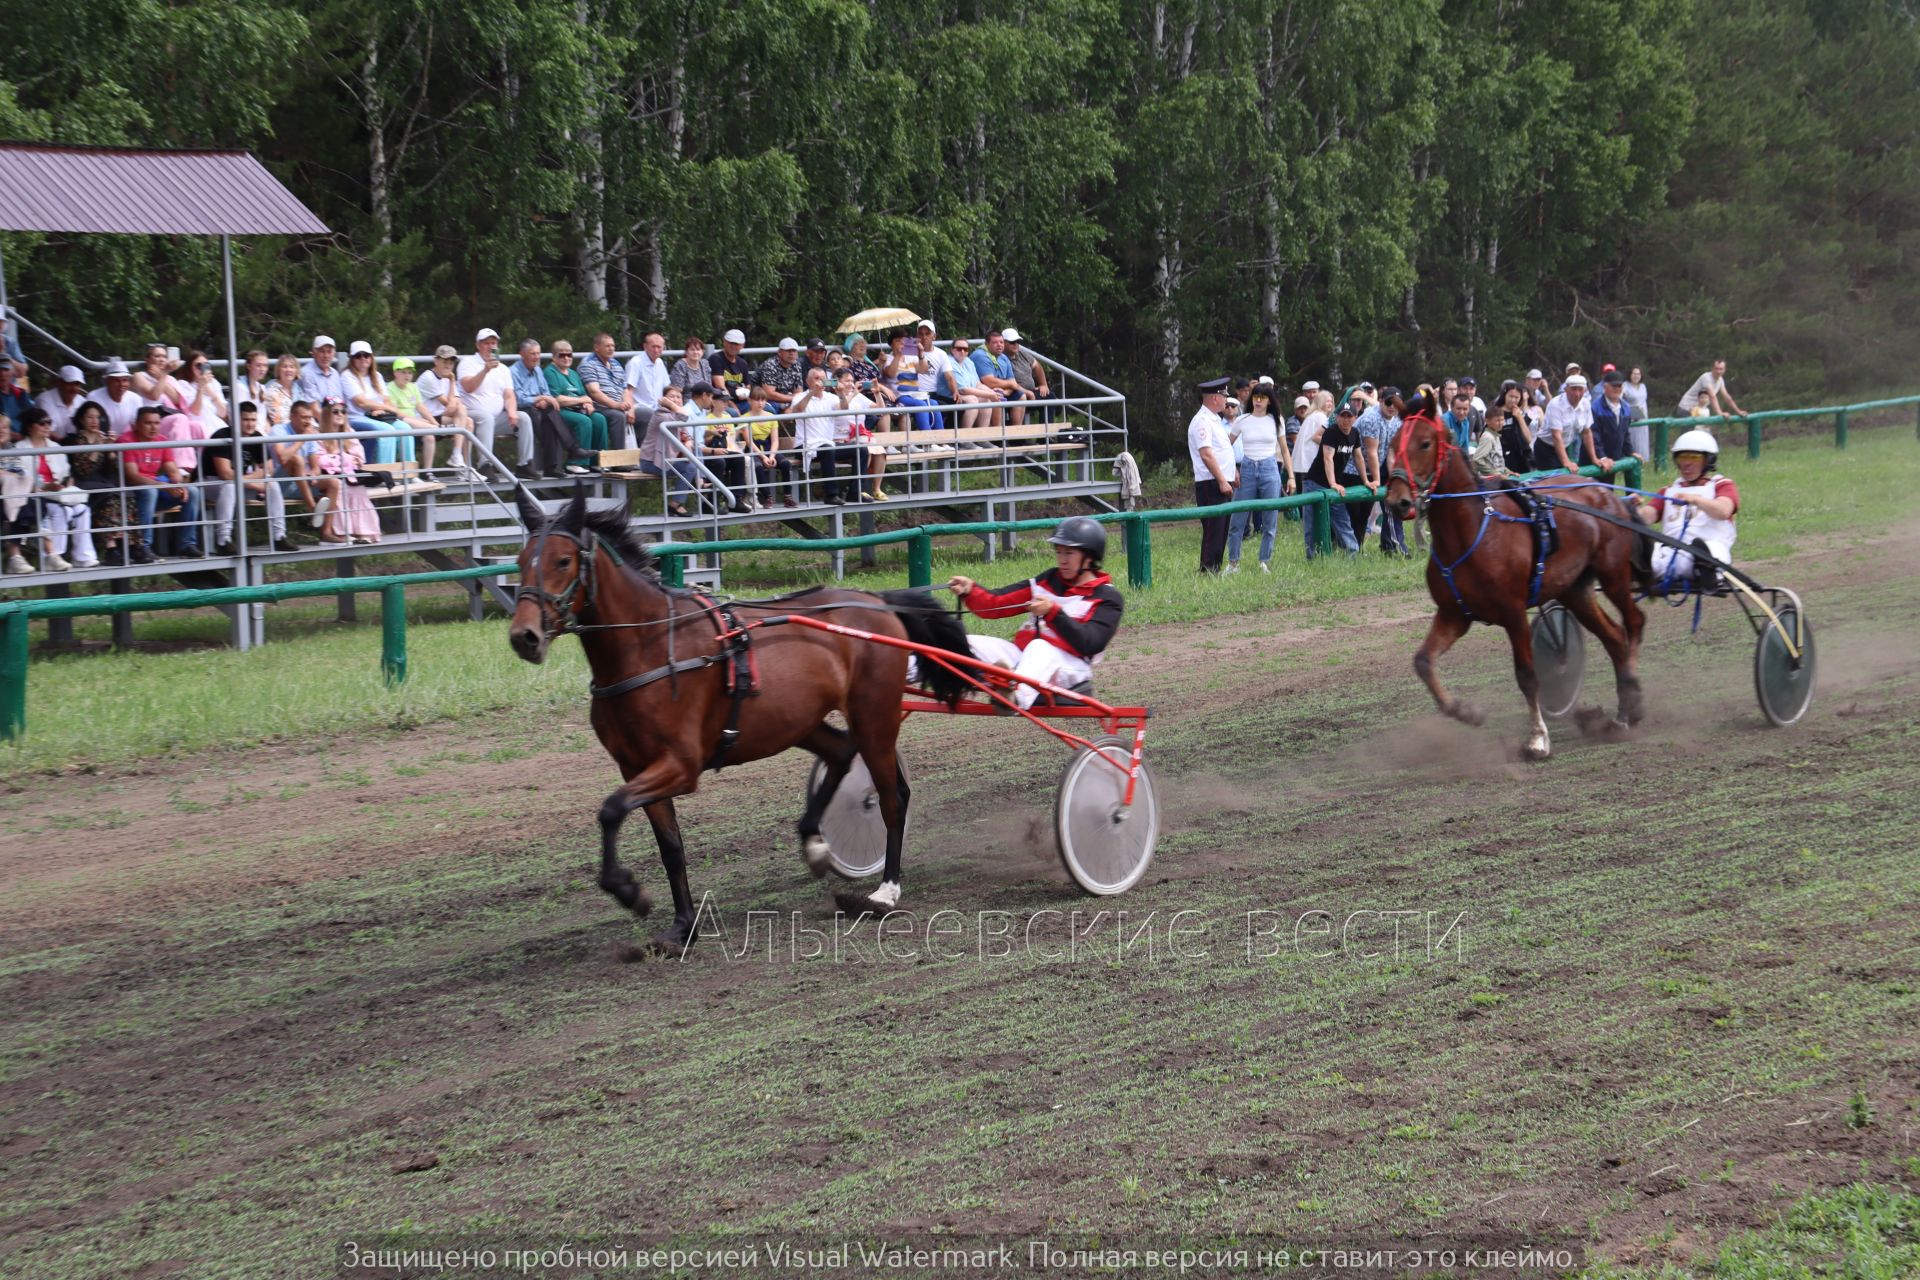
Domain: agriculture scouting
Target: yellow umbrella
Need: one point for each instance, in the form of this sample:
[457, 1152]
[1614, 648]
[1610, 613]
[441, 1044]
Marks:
[877, 318]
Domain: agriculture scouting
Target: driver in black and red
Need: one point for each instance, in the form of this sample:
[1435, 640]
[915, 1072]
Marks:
[1073, 606]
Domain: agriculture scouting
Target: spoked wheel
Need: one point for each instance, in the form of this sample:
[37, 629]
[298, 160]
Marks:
[851, 822]
[1784, 683]
[1559, 657]
[1106, 845]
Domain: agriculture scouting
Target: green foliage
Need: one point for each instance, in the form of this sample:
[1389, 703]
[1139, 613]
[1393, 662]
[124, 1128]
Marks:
[1153, 188]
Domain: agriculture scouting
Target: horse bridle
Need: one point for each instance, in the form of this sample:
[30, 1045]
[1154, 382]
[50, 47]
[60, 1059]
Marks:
[561, 605]
[1403, 469]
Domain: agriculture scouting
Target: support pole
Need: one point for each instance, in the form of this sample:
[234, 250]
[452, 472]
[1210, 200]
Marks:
[1753, 438]
[233, 351]
[1139, 540]
[1323, 533]
[393, 633]
[1659, 458]
[13, 677]
[1840, 429]
[920, 560]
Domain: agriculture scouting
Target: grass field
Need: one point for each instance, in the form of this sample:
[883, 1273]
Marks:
[1656, 1002]
[96, 709]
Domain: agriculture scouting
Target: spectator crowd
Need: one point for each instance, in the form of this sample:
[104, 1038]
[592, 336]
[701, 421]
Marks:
[1241, 444]
[762, 428]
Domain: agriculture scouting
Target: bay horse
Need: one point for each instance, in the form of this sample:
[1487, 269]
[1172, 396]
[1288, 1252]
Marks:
[674, 693]
[1485, 564]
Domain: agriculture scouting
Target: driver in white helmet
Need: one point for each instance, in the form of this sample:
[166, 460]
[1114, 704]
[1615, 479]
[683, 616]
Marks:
[1697, 508]
[1075, 611]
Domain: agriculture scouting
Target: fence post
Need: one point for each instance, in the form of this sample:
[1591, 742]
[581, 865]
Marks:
[1753, 438]
[673, 570]
[13, 677]
[1659, 458]
[1840, 429]
[920, 560]
[393, 633]
[1323, 532]
[1139, 538]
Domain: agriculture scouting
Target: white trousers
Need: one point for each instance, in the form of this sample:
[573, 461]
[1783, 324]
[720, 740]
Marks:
[1672, 560]
[224, 504]
[1040, 660]
[58, 521]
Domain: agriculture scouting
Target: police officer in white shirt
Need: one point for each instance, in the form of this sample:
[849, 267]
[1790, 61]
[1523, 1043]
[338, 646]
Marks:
[1214, 472]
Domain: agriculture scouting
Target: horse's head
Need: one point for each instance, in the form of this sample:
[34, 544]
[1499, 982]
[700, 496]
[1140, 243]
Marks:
[1419, 457]
[556, 574]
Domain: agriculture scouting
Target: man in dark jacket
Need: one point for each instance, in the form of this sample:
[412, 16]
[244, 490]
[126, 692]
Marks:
[1073, 606]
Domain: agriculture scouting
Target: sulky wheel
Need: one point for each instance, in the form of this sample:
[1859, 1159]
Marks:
[855, 832]
[1784, 682]
[1559, 658]
[1106, 847]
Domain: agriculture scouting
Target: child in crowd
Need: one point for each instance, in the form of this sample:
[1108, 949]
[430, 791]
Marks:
[404, 394]
[1488, 458]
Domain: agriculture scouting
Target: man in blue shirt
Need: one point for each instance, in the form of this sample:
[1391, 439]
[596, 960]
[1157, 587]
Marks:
[995, 367]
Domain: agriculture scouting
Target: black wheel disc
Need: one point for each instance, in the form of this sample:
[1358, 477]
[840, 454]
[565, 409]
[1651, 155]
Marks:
[1559, 658]
[1784, 683]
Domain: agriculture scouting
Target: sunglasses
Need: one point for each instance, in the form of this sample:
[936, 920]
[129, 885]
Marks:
[563, 355]
[1689, 456]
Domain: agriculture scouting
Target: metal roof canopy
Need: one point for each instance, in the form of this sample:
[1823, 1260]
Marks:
[133, 191]
[56, 186]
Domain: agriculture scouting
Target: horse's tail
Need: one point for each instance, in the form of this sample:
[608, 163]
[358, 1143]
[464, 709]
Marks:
[929, 624]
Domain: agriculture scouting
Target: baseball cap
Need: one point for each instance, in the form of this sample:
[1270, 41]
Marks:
[788, 344]
[1609, 367]
[116, 369]
[816, 344]
[700, 389]
[360, 348]
[1346, 410]
[71, 373]
[483, 335]
[445, 351]
[1010, 334]
[1366, 386]
[323, 341]
[1613, 377]
[1300, 402]
[1572, 367]
[927, 325]
[1466, 380]
[1576, 380]
[404, 362]
[1534, 373]
[1309, 386]
[733, 335]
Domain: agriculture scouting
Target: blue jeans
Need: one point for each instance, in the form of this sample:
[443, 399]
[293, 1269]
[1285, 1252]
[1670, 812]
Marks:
[1310, 518]
[1258, 479]
[152, 501]
[390, 449]
[921, 421]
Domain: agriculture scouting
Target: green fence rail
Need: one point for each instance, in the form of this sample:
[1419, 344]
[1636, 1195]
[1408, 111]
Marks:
[1755, 424]
[16, 617]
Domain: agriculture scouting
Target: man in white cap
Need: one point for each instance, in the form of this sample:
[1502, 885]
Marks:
[782, 376]
[486, 389]
[936, 381]
[319, 380]
[1568, 416]
[61, 399]
[729, 371]
[1537, 388]
[1028, 373]
[117, 397]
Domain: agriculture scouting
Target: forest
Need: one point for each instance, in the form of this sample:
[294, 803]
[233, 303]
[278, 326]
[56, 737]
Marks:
[1152, 190]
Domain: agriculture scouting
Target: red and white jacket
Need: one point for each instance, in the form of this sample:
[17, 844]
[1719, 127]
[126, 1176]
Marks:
[1081, 622]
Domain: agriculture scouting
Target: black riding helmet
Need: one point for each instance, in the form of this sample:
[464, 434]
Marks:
[1084, 533]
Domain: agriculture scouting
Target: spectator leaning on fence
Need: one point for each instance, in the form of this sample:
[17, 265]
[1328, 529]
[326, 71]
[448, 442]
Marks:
[486, 390]
[1708, 396]
[62, 398]
[1568, 416]
[1339, 445]
[1612, 420]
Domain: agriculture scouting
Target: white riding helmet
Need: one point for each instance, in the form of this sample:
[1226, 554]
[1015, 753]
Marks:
[1697, 441]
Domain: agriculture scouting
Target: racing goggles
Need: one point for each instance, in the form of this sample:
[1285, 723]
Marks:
[1693, 454]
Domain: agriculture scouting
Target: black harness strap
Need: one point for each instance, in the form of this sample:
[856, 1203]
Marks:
[646, 678]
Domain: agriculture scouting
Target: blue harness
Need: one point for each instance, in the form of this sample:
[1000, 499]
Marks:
[1545, 538]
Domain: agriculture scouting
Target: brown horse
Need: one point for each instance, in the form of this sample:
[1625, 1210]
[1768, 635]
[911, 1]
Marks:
[664, 677]
[1484, 561]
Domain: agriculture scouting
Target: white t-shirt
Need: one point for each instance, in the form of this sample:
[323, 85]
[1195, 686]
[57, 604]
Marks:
[934, 380]
[1259, 436]
[490, 401]
[434, 391]
[355, 386]
[1697, 393]
[1207, 430]
[120, 413]
[1306, 445]
[1571, 419]
[59, 411]
[844, 424]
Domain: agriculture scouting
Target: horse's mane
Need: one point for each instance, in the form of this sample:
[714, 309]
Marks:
[612, 527]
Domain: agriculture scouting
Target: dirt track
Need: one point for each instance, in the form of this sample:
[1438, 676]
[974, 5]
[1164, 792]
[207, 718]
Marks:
[246, 992]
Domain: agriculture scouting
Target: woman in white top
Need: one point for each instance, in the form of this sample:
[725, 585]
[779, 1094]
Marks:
[1257, 432]
[277, 405]
[153, 381]
[367, 397]
[200, 395]
[62, 509]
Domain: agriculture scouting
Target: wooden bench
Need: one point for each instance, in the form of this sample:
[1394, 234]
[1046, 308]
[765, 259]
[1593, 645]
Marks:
[952, 445]
[407, 480]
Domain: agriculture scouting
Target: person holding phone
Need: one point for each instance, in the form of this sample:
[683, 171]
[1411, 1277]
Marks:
[904, 367]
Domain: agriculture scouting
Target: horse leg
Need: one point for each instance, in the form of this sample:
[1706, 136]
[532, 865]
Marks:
[1520, 636]
[1447, 627]
[1633, 621]
[882, 760]
[662, 780]
[675, 940]
[1585, 606]
[835, 750]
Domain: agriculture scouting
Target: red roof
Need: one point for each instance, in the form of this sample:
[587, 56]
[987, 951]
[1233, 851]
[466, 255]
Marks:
[125, 191]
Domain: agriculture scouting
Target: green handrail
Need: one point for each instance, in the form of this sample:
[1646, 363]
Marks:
[1755, 423]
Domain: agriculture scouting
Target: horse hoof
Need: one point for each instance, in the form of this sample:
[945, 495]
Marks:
[816, 853]
[1535, 751]
[630, 895]
[1467, 713]
[878, 902]
[668, 945]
